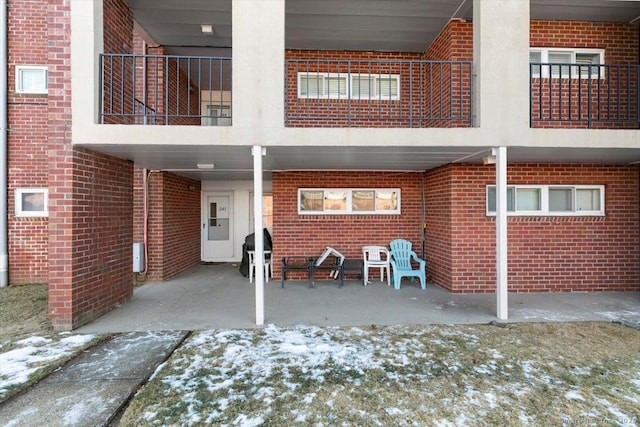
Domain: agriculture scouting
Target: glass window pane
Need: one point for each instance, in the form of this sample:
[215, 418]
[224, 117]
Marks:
[32, 202]
[528, 199]
[362, 87]
[387, 87]
[33, 80]
[560, 200]
[363, 200]
[535, 57]
[491, 199]
[588, 199]
[386, 200]
[311, 200]
[311, 86]
[337, 87]
[267, 211]
[335, 200]
[560, 58]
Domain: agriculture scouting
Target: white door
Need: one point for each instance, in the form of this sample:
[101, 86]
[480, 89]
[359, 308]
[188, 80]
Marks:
[217, 227]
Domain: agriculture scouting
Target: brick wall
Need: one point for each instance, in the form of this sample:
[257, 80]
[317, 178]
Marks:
[118, 38]
[438, 225]
[308, 235]
[303, 112]
[620, 42]
[442, 93]
[545, 253]
[27, 141]
[551, 106]
[174, 225]
[90, 202]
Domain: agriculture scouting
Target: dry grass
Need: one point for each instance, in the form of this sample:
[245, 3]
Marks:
[526, 374]
[23, 312]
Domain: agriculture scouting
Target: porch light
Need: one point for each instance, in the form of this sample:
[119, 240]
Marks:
[206, 165]
[489, 160]
[207, 28]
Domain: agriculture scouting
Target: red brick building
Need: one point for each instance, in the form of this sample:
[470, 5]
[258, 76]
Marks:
[125, 129]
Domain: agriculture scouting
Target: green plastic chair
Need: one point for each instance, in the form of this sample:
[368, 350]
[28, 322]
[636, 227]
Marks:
[400, 256]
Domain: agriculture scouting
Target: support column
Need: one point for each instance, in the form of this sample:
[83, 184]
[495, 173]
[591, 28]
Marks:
[501, 85]
[258, 63]
[502, 310]
[258, 152]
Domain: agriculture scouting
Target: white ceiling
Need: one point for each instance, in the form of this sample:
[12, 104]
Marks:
[368, 25]
[390, 25]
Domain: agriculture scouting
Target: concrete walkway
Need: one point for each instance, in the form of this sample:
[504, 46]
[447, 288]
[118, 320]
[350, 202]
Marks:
[90, 389]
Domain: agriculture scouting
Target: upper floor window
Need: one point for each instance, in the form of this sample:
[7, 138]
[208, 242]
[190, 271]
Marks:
[31, 79]
[355, 86]
[31, 202]
[348, 201]
[567, 63]
[550, 200]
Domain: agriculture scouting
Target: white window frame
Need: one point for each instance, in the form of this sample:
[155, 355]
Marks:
[19, 208]
[596, 71]
[20, 82]
[349, 85]
[349, 202]
[544, 202]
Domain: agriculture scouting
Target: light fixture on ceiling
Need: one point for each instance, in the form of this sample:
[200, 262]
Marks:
[489, 160]
[207, 28]
[206, 165]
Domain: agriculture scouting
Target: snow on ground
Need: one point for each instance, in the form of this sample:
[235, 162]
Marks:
[269, 369]
[31, 354]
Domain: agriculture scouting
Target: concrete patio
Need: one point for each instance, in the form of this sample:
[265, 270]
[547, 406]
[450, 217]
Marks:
[218, 296]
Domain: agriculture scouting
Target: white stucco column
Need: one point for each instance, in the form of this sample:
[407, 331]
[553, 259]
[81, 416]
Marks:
[258, 67]
[258, 152]
[501, 64]
[502, 310]
[87, 29]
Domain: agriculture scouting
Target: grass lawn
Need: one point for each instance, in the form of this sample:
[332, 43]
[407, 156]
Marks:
[523, 374]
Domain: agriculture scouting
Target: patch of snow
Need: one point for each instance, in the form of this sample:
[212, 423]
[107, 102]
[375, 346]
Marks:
[28, 356]
[574, 395]
[395, 411]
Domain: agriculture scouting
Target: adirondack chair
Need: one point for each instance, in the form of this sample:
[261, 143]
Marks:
[400, 258]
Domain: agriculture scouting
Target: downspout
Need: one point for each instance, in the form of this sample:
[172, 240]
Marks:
[146, 174]
[4, 252]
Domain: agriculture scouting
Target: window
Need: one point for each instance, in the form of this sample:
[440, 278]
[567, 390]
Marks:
[217, 115]
[31, 202]
[567, 63]
[267, 211]
[355, 86]
[31, 79]
[550, 200]
[348, 201]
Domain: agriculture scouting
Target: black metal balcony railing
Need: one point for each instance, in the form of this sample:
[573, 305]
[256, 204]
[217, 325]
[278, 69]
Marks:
[584, 95]
[378, 93]
[191, 90]
[165, 90]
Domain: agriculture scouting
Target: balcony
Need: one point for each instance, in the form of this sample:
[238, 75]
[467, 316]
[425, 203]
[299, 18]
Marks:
[378, 93]
[570, 95]
[196, 91]
[165, 90]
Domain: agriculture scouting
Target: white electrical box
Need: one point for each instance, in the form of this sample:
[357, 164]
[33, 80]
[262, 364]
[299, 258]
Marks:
[138, 257]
